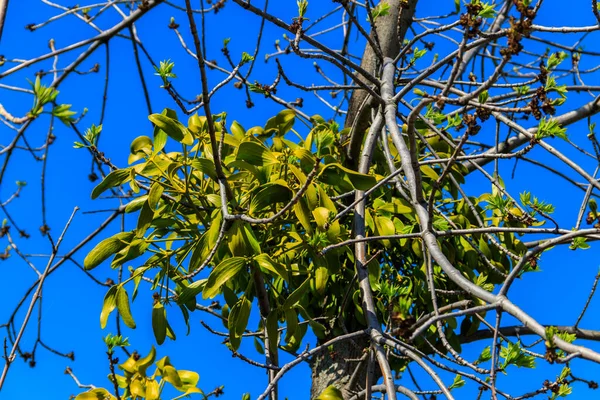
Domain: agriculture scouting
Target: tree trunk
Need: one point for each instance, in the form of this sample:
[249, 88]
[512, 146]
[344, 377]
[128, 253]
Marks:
[340, 365]
[391, 30]
[337, 366]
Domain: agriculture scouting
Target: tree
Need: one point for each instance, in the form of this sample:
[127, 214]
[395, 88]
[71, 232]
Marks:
[392, 235]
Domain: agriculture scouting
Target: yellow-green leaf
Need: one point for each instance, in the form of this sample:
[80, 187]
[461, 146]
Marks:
[95, 394]
[152, 390]
[226, 270]
[272, 193]
[115, 178]
[145, 362]
[321, 276]
[170, 375]
[123, 307]
[321, 215]
[173, 128]
[256, 154]
[108, 306]
[335, 174]
[159, 322]
[107, 248]
[330, 393]
[266, 262]
[238, 320]
[296, 295]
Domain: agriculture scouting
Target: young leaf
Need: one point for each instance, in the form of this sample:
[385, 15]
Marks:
[458, 382]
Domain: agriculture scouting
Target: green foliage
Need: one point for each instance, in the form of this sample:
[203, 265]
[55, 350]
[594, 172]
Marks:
[90, 137]
[550, 128]
[487, 9]
[112, 341]
[522, 90]
[165, 71]
[458, 382]
[514, 355]
[184, 242]
[302, 6]
[579, 243]
[246, 58]
[555, 60]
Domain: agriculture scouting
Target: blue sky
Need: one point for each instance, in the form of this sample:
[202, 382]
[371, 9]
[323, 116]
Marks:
[72, 302]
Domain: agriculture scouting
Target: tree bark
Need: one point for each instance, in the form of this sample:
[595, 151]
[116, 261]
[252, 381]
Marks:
[337, 365]
[391, 30]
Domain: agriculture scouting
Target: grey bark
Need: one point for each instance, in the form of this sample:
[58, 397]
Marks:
[391, 30]
[337, 366]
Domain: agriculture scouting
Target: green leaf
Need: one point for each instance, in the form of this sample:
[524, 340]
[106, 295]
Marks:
[226, 270]
[579, 243]
[242, 241]
[206, 166]
[170, 375]
[238, 320]
[256, 154]
[188, 378]
[266, 262]
[122, 302]
[173, 128]
[140, 144]
[191, 291]
[296, 295]
[159, 322]
[271, 193]
[380, 10]
[384, 227]
[156, 191]
[145, 219]
[272, 326]
[109, 305]
[107, 248]
[145, 362]
[115, 178]
[291, 319]
[237, 130]
[281, 123]
[333, 174]
[135, 204]
[321, 276]
[483, 97]
[132, 251]
[64, 113]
